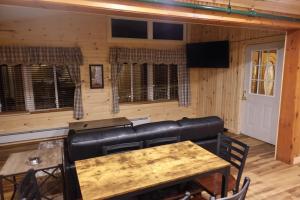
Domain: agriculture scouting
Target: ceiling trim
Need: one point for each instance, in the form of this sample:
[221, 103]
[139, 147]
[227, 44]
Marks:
[146, 10]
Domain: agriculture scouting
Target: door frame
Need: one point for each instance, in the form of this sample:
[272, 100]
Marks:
[248, 49]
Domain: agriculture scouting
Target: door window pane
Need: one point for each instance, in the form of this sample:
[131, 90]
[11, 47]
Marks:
[255, 71]
[261, 88]
[254, 86]
[263, 72]
[256, 57]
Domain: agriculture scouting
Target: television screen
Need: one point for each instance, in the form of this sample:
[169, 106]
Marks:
[208, 54]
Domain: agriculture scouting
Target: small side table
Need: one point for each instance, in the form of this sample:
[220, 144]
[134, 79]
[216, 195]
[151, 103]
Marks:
[17, 164]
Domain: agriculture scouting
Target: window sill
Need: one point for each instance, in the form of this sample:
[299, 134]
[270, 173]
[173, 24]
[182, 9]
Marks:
[51, 110]
[35, 112]
[14, 113]
[148, 102]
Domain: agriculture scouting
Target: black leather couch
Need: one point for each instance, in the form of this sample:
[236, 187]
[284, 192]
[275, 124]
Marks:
[78, 146]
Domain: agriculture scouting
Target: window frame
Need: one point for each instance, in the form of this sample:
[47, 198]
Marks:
[29, 101]
[149, 29]
[150, 89]
[258, 75]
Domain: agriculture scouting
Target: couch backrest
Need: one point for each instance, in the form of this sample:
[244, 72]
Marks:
[197, 129]
[90, 144]
[157, 129]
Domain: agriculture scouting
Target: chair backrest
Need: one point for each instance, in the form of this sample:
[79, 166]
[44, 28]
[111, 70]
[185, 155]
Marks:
[241, 195]
[234, 152]
[187, 196]
[123, 147]
[28, 188]
[161, 141]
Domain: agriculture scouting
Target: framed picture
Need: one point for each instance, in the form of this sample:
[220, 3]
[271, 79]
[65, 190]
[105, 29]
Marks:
[96, 76]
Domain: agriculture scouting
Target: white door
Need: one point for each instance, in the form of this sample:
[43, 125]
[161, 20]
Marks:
[261, 94]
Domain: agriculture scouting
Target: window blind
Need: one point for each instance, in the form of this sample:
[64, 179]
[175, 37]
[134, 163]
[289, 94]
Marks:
[35, 87]
[143, 82]
[11, 89]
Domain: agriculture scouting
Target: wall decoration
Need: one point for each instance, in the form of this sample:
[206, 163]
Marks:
[96, 76]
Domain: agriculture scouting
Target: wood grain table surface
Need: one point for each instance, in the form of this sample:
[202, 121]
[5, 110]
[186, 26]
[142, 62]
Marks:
[17, 163]
[118, 174]
[103, 123]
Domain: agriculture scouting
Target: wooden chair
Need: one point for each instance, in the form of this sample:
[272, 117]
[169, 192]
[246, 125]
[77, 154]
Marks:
[123, 147]
[187, 196]
[234, 152]
[241, 195]
[28, 188]
[161, 141]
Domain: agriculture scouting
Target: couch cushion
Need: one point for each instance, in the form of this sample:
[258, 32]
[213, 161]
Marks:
[197, 129]
[157, 130]
[89, 144]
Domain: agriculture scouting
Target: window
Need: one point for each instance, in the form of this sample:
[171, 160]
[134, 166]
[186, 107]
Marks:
[11, 89]
[167, 31]
[121, 28]
[263, 72]
[140, 83]
[35, 88]
[143, 29]
[133, 83]
[165, 82]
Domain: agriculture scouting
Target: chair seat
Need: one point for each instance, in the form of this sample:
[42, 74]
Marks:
[213, 183]
[198, 197]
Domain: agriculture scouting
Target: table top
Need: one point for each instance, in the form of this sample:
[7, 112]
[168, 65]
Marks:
[17, 163]
[118, 174]
[103, 123]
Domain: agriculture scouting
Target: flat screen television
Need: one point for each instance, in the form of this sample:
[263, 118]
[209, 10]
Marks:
[208, 54]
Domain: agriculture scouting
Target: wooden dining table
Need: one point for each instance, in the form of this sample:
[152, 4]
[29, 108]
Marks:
[123, 175]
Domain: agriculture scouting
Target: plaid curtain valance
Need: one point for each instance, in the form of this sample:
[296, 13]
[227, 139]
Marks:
[13, 55]
[71, 57]
[150, 56]
[119, 56]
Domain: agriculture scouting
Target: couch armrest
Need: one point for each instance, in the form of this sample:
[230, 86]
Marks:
[71, 185]
[210, 145]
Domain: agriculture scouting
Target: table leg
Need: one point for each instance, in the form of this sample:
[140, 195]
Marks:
[1, 188]
[225, 177]
[15, 187]
[63, 181]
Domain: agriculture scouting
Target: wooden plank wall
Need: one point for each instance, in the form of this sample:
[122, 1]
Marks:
[288, 146]
[220, 90]
[58, 28]
[214, 91]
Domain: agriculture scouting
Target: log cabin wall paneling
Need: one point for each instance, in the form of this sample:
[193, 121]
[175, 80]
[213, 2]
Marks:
[220, 90]
[288, 146]
[39, 27]
[214, 91]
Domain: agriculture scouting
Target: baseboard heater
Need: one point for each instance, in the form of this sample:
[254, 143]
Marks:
[33, 135]
[50, 133]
